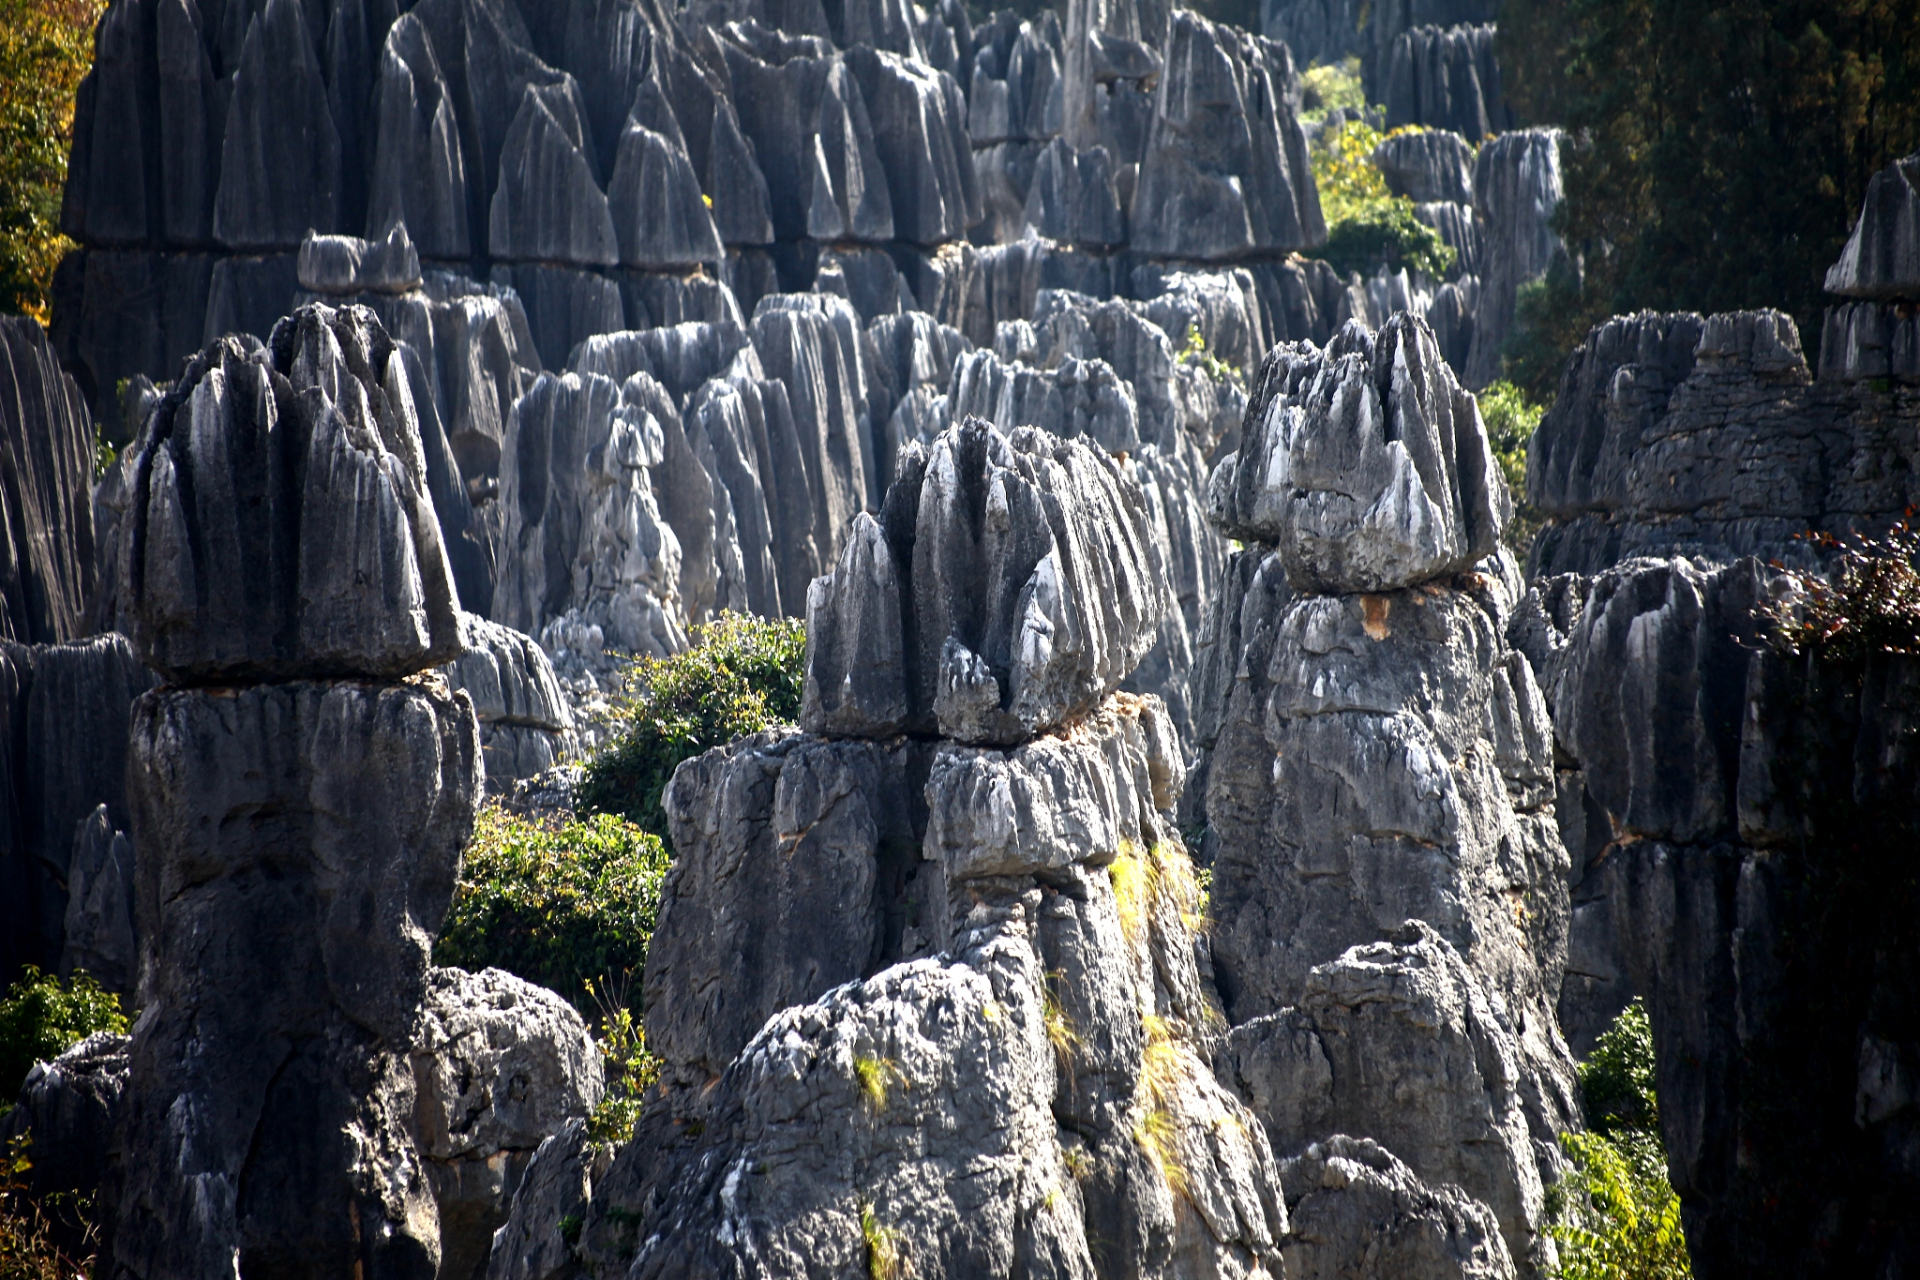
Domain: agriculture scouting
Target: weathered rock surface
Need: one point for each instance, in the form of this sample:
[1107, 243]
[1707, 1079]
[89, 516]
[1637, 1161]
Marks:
[1639, 454]
[1882, 258]
[1444, 78]
[348, 265]
[65, 755]
[537, 1240]
[99, 934]
[280, 522]
[68, 1107]
[47, 556]
[526, 721]
[1358, 1213]
[1427, 165]
[1367, 464]
[584, 543]
[1516, 188]
[1735, 882]
[1400, 1040]
[299, 844]
[1225, 169]
[1024, 583]
[499, 1066]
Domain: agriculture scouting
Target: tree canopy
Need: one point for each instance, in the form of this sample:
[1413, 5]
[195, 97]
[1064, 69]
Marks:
[46, 47]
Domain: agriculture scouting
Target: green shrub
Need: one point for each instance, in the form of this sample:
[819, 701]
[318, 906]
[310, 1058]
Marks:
[1616, 1080]
[40, 1019]
[1368, 227]
[631, 1070]
[1331, 85]
[1387, 236]
[741, 675]
[1615, 1216]
[1869, 602]
[1618, 1217]
[559, 904]
[1511, 420]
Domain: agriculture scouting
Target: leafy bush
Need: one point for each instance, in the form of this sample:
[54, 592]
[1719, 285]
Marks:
[1330, 86]
[630, 1068]
[46, 47]
[1868, 603]
[1511, 420]
[1619, 1218]
[559, 904]
[1387, 236]
[40, 1019]
[1368, 227]
[1616, 1216]
[1616, 1080]
[741, 675]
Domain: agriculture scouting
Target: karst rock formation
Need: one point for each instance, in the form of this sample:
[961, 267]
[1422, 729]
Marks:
[1206, 843]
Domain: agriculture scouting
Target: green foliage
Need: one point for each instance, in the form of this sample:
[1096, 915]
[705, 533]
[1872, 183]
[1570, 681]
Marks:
[1331, 85]
[1718, 149]
[1195, 352]
[41, 1018]
[1551, 317]
[886, 1260]
[1869, 601]
[1616, 1216]
[1387, 236]
[560, 904]
[1511, 419]
[630, 1069]
[46, 47]
[741, 675]
[1616, 1080]
[876, 1077]
[1344, 172]
[1368, 227]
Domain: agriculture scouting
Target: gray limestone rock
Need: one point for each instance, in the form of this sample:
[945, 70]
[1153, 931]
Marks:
[47, 566]
[811, 342]
[348, 265]
[659, 217]
[583, 539]
[280, 520]
[1017, 91]
[1427, 165]
[67, 1108]
[1074, 398]
[99, 935]
[1865, 341]
[499, 1066]
[792, 860]
[1677, 435]
[563, 305]
[1359, 1213]
[526, 723]
[1072, 199]
[537, 1240]
[483, 358]
[419, 175]
[920, 137]
[1223, 306]
[1367, 463]
[299, 844]
[1028, 589]
[1882, 257]
[548, 207]
[66, 710]
[1516, 188]
[280, 162]
[1443, 78]
[1225, 169]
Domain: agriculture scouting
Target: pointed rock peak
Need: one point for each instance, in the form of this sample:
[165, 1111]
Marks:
[280, 525]
[1367, 463]
[1882, 257]
[1010, 585]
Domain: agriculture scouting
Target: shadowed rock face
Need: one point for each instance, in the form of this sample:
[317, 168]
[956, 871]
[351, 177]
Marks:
[279, 517]
[1379, 782]
[47, 560]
